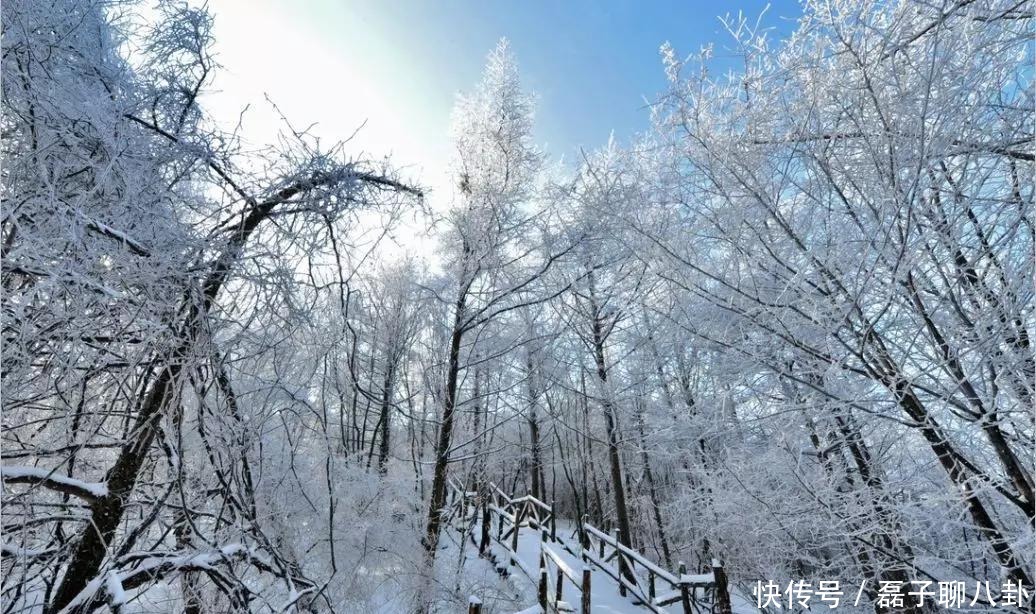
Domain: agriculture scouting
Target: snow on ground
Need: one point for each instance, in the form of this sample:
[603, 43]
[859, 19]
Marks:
[476, 577]
[604, 592]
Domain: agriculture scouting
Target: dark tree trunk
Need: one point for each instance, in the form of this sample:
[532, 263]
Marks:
[534, 432]
[656, 508]
[385, 420]
[612, 428]
[106, 512]
[442, 449]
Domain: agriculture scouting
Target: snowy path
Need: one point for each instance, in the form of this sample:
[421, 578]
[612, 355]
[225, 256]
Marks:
[604, 592]
[523, 531]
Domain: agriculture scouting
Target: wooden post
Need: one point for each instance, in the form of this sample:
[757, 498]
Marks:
[474, 605]
[585, 601]
[651, 586]
[500, 527]
[557, 590]
[553, 523]
[620, 558]
[543, 581]
[584, 537]
[685, 597]
[620, 561]
[514, 534]
[722, 591]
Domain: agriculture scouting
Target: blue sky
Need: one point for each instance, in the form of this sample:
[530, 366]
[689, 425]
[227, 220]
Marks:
[591, 63]
[398, 64]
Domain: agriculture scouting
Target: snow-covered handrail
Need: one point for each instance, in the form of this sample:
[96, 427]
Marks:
[551, 593]
[512, 513]
[639, 558]
[560, 562]
[683, 586]
[534, 501]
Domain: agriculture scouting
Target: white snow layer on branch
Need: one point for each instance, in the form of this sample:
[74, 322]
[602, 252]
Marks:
[113, 585]
[113, 580]
[50, 479]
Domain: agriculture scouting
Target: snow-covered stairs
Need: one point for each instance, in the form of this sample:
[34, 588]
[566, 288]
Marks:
[583, 569]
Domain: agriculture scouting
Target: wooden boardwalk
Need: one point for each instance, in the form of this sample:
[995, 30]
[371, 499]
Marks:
[589, 571]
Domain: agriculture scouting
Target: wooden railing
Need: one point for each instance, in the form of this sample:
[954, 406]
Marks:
[601, 549]
[551, 586]
[651, 586]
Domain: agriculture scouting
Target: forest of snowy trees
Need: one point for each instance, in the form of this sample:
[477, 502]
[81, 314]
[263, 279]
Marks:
[788, 328]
